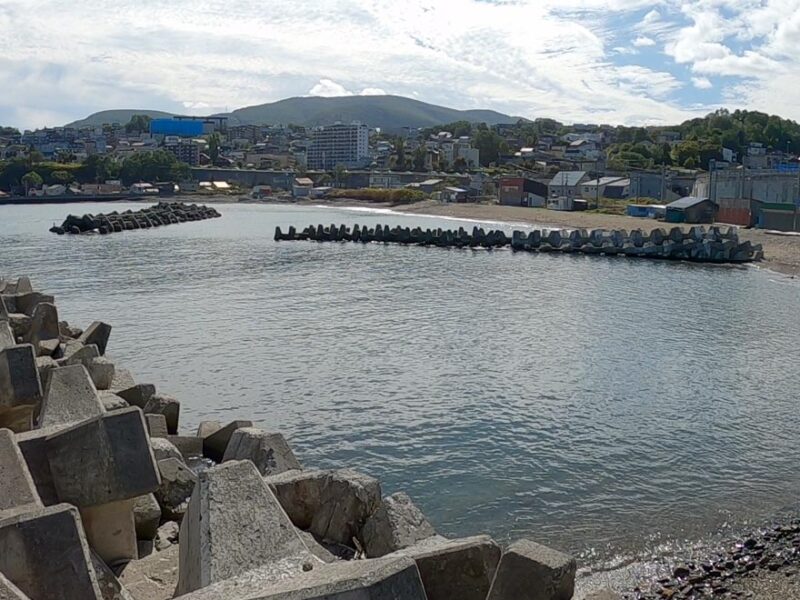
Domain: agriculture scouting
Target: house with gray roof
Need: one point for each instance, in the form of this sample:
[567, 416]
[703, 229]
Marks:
[567, 184]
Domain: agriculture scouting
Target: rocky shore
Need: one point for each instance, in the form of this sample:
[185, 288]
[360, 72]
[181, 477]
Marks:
[163, 213]
[104, 496]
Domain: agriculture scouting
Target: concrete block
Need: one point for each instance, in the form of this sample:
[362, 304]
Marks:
[206, 428]
[397, 524]
[44, 365]
[462, 568]
[177, 484]
[233, 524]
[7, 339]
[333, 505]
[163, 448]
[111, 401]
[33, 445]
[24, 286]
[44, 553]
[138, 394]
[530, 571]
[110, 587]
[120, 466]
[315, 547]
[379, 579]
[123, 380]
[28, 301]
[44, 329]
[111, 531]
[167, 406]
[76, 353]
[20, 324]
[145, 548]
[101, 370]
[269, 452]
[146, 516]
[18, 491]
[97, 333]
[156, 425]
[4, 312]
[188, 445]
[70, 397]
[153, 577]
[8, 591]
[167, 535]
[20, 388]
[215, 444]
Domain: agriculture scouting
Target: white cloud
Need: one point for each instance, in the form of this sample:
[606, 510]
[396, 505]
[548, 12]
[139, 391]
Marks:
[370, 91]
[702, 83]
[556, 58]
[328, 88]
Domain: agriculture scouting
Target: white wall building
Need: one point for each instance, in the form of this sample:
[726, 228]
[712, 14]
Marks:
[339, 144]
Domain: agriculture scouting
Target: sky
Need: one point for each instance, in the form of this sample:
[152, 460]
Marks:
[629, 62]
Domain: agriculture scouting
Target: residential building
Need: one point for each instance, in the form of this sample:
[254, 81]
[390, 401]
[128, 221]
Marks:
[185, 150]
[522, 191]
[582, 150]
[567, 184]
[385, 180]
[339, 144]
[302, 187]
[454, 194]
[599, 188]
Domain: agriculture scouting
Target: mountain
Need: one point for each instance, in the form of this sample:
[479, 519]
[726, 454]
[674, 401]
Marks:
[390, 113]
[121, 116]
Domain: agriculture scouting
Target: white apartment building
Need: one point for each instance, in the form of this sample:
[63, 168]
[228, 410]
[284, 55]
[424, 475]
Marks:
[339, 144]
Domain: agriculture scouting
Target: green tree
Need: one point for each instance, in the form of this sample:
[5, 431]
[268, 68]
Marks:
[31, 180]
[159, 165]
[60, 176]
[138, 124]
[418, 162]
[339, 174]
[97, 168]
[489, 145]
[214, 142]
[400, 150]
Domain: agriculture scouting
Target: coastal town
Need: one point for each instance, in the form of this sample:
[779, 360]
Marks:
[703, 172]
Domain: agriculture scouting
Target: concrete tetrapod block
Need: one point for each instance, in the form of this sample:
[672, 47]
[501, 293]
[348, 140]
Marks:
[188, 445]
[17, 490]
[206, 428]
[530, 571]
[269, 452]
[215, 444]
[70, 397]
[45, 554]
[167, 406]
[462, 568]
[397, 524]
[123, 380]
[8, 591]
[156, 426]
[44, 333]
[111, 401]
[163, 448]
[378, 579]
[109, 585]
[33, 445]
[146, 516]
[137, 395]
[233, 524]
[153, 577]
[111, 531]
[333, 505]
[119, 466]
[6, 336]
[177, 484]
[97, 333]
[20, 388]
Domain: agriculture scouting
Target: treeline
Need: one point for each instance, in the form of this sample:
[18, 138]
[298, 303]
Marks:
[32, 171]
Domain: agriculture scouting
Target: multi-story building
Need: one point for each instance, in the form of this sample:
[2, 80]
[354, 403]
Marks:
[339, 144]
[185, 149]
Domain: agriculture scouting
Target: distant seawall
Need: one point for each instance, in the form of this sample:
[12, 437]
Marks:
[712, 245]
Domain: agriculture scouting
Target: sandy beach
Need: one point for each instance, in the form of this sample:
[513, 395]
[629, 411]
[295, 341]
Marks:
[781, 252]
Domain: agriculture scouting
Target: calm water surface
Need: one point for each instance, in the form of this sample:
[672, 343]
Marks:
[599, 405]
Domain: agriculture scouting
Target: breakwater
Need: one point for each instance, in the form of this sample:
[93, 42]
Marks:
[699, 244]
[163, 213]
[102, 495]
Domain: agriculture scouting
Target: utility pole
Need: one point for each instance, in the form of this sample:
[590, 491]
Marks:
[597, 187]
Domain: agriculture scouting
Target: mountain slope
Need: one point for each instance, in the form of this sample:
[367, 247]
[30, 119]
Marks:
[390, 113]
[121, 116]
